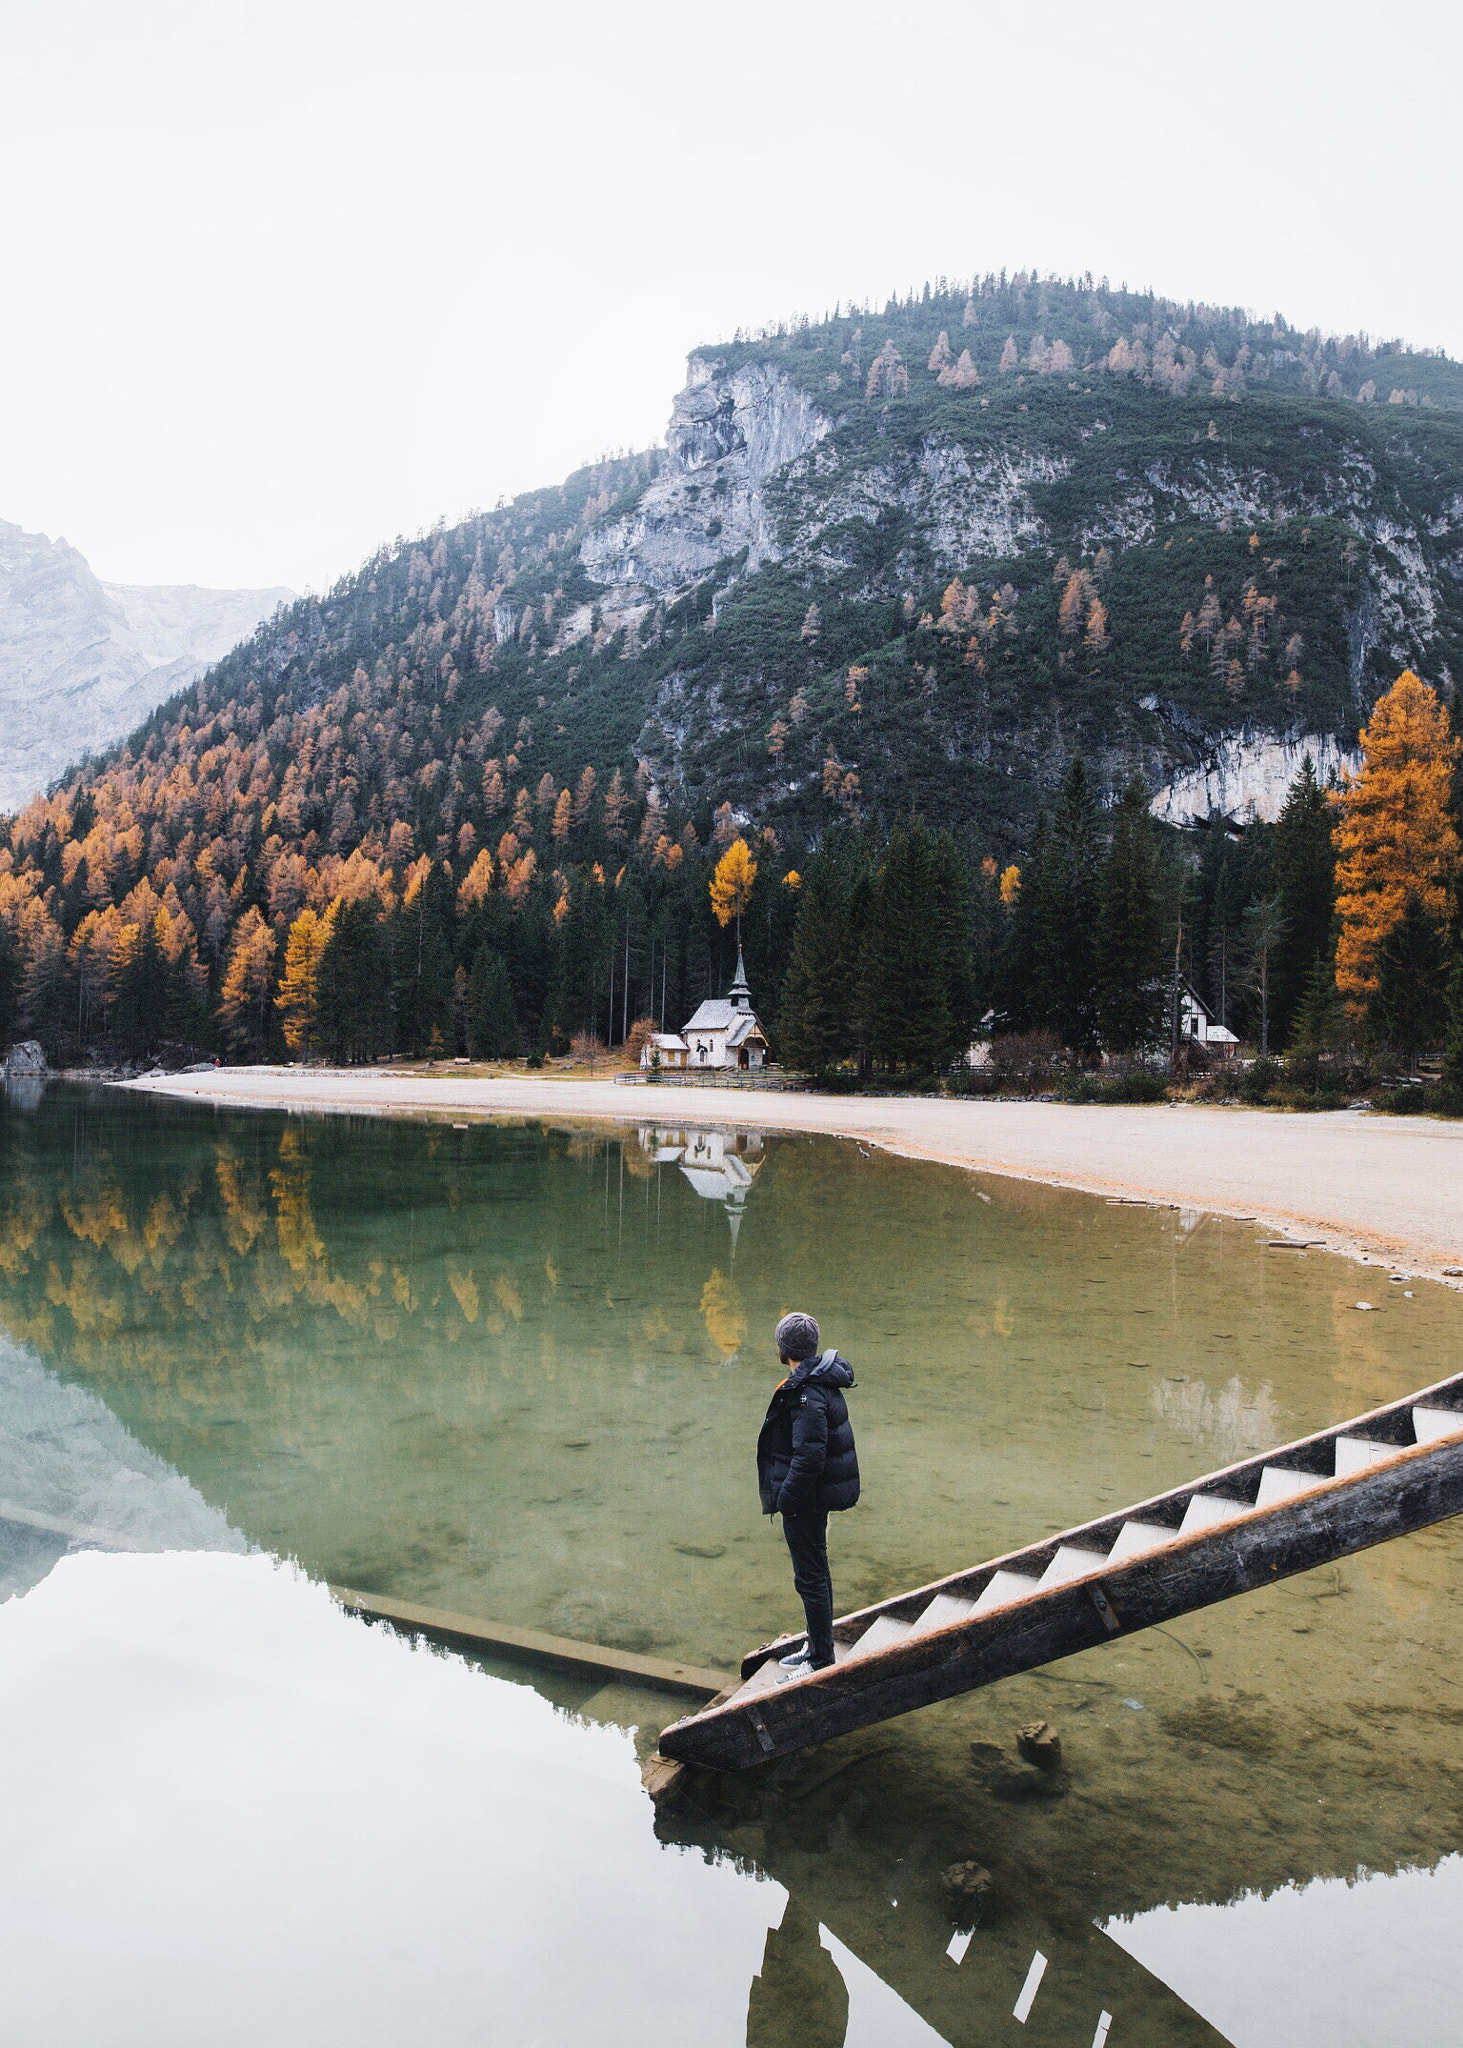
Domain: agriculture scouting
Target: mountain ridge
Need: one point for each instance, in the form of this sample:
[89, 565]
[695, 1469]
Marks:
[894, 563]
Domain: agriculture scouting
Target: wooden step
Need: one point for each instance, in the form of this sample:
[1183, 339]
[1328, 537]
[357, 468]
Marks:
[879, 1635]
[1356, 1453]
[1208, 1510]
[1135, 1539]
[943, 1612]
[1072, 1562]
[1278, 1482]
[1005, 1588]
[1433, 1425]
[762, 1680]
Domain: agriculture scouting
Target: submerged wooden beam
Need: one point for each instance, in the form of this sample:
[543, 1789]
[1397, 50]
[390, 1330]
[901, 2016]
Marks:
[534, 1647]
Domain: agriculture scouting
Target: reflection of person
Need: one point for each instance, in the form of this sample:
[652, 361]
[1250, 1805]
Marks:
[799, 1998]
[807, 1468]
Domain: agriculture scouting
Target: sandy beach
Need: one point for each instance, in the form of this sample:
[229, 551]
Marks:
[1384, 1189]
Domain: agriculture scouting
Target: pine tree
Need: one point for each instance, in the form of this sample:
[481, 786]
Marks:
[492, 1023]
[1317, 1026]
[354, 1011]
[1066, 938]
[1304, 867]
[1019, 997]
[1263, 931]
[819, 994]
[921, 978]
[1453, 1039]
[1406, 1008]
[616, 810]
[424, 965]
[908, 1011]
[9, 985]
[1130, 937]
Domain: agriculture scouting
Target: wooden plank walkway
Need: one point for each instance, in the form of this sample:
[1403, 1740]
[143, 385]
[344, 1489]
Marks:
[1384, 1474]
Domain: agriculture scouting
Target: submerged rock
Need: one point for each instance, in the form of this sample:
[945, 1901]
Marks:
[966, 1884]
[1040, 1744]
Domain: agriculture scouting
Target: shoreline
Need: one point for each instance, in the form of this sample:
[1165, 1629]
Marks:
[1380, 1190]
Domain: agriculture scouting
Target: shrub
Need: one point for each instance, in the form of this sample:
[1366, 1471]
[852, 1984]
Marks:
[1407, 1101]
[971, 1081]
[1140, 1085]
[1026, 1059]
[1257, 1082]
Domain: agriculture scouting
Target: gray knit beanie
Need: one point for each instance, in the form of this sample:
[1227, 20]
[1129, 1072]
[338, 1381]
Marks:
[796, 1336]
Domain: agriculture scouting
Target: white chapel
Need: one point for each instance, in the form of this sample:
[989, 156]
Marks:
[723, 1033]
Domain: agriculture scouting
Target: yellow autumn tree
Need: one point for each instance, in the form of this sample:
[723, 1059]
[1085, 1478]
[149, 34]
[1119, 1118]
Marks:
[247, 977]
[731, 884]
[477, 883]
[298, 1001]
[1395, 840]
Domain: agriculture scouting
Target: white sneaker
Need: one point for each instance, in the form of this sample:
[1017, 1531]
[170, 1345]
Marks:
[800, 1660]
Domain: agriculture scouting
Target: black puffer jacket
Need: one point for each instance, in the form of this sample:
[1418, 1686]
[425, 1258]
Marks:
[805, 1453]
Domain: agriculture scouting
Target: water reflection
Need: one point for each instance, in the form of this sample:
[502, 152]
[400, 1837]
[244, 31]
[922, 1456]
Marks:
[24, 1091]
[480, 1369]
[720, 1165]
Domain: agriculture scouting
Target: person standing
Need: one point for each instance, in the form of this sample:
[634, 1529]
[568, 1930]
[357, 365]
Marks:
[807, 1469]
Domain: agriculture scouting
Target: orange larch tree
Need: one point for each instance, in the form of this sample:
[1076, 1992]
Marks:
[1395, 840]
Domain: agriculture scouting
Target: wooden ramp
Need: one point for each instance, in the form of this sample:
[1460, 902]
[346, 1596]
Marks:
[1385, 1474]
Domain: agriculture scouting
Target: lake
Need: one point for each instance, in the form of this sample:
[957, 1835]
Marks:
[517, 1371]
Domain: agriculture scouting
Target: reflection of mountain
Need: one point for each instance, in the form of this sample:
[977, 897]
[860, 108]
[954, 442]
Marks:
[720, 1165]
[71, 1477]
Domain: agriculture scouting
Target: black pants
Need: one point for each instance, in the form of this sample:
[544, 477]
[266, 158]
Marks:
[807, 1539]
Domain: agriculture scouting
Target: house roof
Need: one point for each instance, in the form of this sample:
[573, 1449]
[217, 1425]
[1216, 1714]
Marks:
[715, 1014]
[745, 1027]
[668, 1041]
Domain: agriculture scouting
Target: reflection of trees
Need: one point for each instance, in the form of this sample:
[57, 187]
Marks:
[303, 1321]
[726, 1325]
[108, 1250]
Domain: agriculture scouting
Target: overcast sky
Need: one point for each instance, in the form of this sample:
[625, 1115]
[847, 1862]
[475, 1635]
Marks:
[289, 277]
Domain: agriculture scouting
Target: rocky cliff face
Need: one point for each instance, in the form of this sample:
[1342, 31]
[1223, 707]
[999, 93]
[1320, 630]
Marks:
[1328, 544]
[82, 662]
[1248, 776]
[730, 433]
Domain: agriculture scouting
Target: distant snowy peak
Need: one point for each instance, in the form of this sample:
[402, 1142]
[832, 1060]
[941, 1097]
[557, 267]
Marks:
[82, 662]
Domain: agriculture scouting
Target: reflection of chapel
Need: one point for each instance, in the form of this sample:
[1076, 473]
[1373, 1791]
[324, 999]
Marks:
[720, 1165]
[723, 1033]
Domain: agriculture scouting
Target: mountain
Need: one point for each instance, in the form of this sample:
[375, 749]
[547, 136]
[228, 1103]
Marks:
[911, 558]
[82, 662]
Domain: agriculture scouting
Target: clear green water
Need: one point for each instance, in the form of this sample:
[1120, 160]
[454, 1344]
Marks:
[518, 1371]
